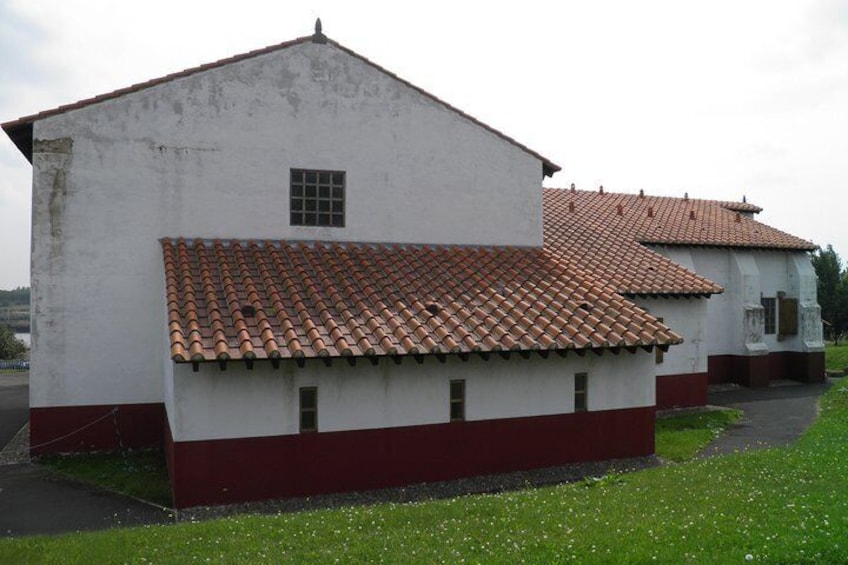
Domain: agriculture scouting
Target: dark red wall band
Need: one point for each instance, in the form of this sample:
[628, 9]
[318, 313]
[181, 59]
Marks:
[63, 429]
[234, 470]
[682, 391]
[759, 370]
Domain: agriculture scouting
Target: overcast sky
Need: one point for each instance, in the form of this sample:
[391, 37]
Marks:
[719, 99]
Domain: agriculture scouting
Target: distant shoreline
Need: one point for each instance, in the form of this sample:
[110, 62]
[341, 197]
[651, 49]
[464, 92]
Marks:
[17, 327]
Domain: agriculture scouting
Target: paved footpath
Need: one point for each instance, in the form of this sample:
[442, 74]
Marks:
[773, 416]
[37, 500]
[14, 404]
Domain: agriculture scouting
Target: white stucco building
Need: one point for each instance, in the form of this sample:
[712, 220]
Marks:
[299, 273]
[741, 293]
[292, 258]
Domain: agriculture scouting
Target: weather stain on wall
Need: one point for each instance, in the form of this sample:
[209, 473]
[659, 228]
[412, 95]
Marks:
[55, 154]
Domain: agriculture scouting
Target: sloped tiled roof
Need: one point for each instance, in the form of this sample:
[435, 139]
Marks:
[606, 233]
[20, 130]
[352, 300]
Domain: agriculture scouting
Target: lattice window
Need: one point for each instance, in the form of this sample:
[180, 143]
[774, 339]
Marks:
[317, 198]
[769, 315]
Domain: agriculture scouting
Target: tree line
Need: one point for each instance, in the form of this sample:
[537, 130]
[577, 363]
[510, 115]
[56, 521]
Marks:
[15, 297]
[832, 292]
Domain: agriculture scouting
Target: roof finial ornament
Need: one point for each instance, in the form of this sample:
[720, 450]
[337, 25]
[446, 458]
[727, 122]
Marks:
[318, 36]
[685, 196]
[601, 189]
[641, 193]
[744, 199]
[573, 187]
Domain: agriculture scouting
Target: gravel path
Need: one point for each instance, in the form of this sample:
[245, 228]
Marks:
[489, 484]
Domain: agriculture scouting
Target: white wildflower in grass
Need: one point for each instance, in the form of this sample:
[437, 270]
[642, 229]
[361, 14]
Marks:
[749, 557]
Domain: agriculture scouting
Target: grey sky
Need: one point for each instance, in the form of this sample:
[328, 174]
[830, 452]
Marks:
[717, 99]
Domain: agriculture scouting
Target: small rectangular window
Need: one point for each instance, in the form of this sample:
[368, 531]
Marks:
[309, 409]
[317, 198]
[659, 354]
[457, 400]
[769, 315]
[581, 392]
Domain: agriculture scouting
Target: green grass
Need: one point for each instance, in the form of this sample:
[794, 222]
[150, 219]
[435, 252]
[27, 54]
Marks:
[784, 505]
[680, 438]
[141, 474]
[836, 357]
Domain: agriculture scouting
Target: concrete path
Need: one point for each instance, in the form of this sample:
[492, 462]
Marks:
[36, 500]
[773, 416]
[14, 405]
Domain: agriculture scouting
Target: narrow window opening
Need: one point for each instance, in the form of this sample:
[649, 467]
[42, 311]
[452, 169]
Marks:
[659, 354]
[309, 409]
[581, 392]
[769, 315]
[457, 400]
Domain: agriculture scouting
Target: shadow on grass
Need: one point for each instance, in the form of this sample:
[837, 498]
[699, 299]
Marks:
[138, 473]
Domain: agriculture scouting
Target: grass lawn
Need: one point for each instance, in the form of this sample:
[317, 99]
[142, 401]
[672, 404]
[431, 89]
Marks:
[785, 505]
[682, 437]
[836, 357]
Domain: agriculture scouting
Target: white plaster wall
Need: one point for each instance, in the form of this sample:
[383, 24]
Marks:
[688, 318]
[214, 404]
[734, 318]
[209, 156]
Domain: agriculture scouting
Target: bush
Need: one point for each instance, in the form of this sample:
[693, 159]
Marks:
[10, 346]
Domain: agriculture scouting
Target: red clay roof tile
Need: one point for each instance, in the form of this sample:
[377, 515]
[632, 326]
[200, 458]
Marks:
[606, 234]
[333, 300]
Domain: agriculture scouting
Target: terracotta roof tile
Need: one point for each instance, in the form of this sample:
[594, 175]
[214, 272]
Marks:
[606, 234]
[271, 299]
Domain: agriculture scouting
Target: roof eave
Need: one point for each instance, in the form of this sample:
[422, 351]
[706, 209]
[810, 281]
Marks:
[671, 294]
[21, 136]
[614, 348]
[807, 247]
[549, 168]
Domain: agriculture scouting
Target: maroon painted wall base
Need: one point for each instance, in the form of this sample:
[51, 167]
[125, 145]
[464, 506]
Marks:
[680, 391]
[63, 429]
[238, 470]
[759, 370]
